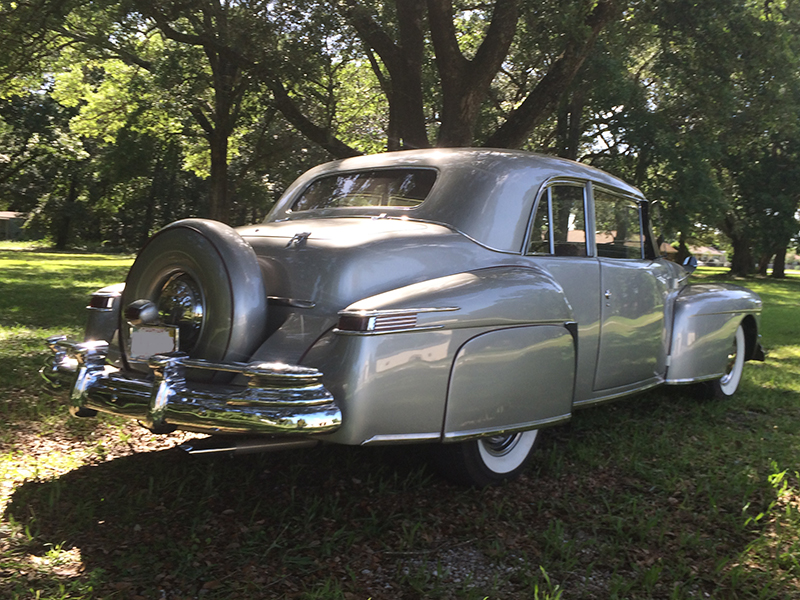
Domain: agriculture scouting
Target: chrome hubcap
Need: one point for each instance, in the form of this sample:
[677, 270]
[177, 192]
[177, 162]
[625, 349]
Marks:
[731, 363]
[500, 445]
[181, 303]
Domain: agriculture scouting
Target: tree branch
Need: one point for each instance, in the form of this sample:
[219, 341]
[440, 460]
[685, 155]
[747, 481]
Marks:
[304, 125]
[104, 44]
[539, 103]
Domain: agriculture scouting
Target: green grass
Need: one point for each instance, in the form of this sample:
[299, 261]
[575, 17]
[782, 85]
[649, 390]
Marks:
[663, 495]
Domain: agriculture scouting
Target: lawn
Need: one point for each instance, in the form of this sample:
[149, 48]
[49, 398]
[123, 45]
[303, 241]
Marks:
[664, 495]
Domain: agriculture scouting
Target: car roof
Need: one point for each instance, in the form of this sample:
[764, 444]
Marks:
[485, 193]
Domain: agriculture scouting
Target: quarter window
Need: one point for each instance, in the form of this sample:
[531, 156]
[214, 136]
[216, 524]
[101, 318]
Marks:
[618, 226]
[559, 226]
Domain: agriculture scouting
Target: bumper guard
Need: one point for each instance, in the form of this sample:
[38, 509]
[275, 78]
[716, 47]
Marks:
[279, 398]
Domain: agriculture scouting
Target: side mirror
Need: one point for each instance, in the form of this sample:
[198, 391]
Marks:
[690, 264]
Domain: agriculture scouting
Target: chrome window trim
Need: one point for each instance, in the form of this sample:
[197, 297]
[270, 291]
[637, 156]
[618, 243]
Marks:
[639, 202]
[337, 173]
[544, 192]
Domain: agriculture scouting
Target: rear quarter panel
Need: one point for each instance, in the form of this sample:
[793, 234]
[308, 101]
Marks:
[504, 359]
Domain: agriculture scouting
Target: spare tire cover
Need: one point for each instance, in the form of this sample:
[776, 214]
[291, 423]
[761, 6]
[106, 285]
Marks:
[205, 278]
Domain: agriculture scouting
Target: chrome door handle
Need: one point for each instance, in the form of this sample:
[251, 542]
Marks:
[607, 294]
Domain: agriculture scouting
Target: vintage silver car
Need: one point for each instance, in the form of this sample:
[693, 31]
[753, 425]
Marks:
[462, 297]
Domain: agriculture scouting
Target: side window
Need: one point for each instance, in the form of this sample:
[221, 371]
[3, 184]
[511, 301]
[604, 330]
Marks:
[559, 226]
[618, 226]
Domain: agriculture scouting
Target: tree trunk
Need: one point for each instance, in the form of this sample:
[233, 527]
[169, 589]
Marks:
[466, 83]
[763, 263]
[149, 211]
[219, 208]
[742, 259]
[64, 224]
[683, 249]
[779, 266]
[403, 60]
[569, 125]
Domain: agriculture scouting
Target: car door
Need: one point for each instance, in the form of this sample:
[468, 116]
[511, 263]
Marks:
[632, 346]
[557, 242]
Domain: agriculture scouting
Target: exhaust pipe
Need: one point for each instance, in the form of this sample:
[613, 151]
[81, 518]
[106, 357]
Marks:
[239, 446]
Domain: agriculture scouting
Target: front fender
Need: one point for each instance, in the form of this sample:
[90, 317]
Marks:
[706, 317]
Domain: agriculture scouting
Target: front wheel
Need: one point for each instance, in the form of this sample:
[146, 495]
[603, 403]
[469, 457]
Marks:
[726, 385]
[486, 461]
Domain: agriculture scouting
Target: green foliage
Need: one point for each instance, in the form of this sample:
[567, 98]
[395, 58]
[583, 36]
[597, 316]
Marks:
[214, 106]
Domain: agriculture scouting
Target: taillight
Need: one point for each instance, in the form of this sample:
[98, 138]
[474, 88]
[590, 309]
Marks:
[386, 321]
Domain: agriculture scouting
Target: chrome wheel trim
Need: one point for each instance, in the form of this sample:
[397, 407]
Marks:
[181, 302]
[733, 371]
[505, 453]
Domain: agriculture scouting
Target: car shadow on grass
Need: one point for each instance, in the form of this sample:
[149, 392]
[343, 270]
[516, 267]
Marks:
[165, 524]
[634, 499]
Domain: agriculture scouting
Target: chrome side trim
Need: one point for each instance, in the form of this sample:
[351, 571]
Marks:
[279, 398]
[369, 333]
[388, 312]
[402, 438]
[292, 302]
[461, 436]
[693, 380]
[737, 311]
[626, 392]
[237, 446]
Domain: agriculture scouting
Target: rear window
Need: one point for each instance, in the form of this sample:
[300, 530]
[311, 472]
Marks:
[398, 188]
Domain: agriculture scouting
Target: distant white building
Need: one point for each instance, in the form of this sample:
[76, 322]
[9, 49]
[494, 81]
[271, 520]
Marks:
[11, 224]
[709, 256]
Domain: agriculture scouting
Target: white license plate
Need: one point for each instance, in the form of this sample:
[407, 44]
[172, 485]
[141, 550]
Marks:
[149, 340]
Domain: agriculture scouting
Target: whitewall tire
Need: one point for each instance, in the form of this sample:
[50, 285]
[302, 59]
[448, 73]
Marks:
[727, 385]
[487, 461]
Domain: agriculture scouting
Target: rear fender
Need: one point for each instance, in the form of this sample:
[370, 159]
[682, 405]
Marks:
[402, 384]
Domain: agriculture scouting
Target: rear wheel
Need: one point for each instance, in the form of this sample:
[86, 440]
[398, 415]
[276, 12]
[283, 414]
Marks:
[487, 461]
[727, 385]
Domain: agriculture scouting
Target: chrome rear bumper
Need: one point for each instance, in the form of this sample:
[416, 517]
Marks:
[279, 398]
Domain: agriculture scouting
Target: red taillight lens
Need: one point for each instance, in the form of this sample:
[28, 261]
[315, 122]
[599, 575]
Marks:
[353, 322]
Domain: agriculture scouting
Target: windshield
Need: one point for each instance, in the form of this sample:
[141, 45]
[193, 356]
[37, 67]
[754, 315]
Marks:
[399, 188]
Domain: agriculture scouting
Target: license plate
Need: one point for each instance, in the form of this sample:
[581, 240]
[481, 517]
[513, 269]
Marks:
[149, 340]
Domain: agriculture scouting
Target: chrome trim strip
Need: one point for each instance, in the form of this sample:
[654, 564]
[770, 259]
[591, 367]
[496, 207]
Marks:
[387, 312]
[238, 446]
[561, 322]
[292, 302]
[401, 438]
[369, 333]
[460, 436]
[613, 396]
[687, 380]
[738, 311]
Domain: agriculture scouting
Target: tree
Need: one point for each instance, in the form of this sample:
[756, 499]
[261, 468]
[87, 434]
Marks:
[214, 53]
